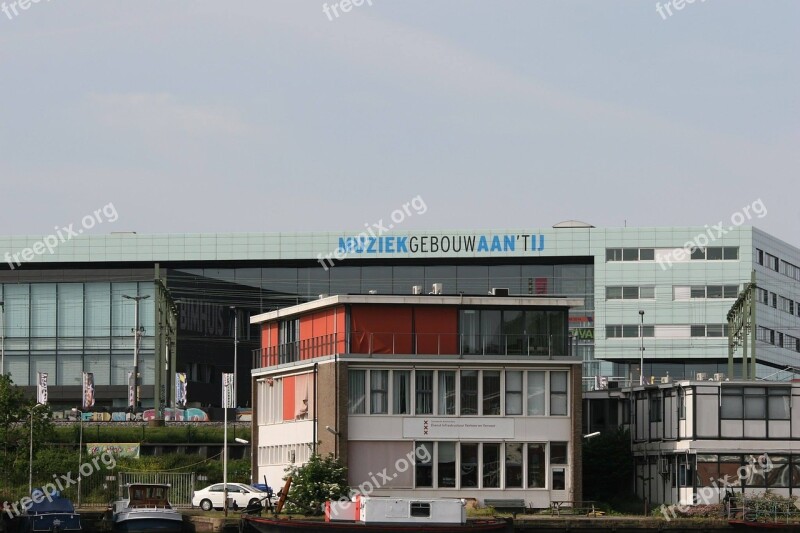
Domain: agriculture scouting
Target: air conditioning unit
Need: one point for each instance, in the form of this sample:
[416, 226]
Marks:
[663, 465]
[373, 291]
[437, 288]
[499, 292]
[666, 379]
[323, 295]
[701, 376]
[613, 385]
[416, 289]
[719, 376]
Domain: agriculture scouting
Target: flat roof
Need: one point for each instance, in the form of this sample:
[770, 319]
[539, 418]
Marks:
[426, 299]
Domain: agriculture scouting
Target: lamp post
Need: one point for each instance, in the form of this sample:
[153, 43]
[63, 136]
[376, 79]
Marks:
[137, 332]
[2, 337]
[80, 450]
[235, 354]
[30, 451]
[641, 355]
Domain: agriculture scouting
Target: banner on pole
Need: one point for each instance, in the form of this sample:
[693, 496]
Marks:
[41, 388]
[227, 391]
[180, 389]
[131, 391]
[88, 390]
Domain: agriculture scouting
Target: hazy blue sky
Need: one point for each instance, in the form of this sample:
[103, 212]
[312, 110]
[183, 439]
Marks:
[267, 116]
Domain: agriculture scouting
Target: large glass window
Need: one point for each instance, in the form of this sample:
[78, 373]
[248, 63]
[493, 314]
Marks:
[536, 466]
[447, 393]
[513, 392]
[491, 329]
[469, 465]
[423, 468]
[470, 331]
[755, 403]
[536, 330]
[558, 393]
[514, 465]
[469, 392]
[17, 310]
[401, 391]
[70, 310]
[447, 464]
[779, 403]
[536, 393]
[491, 465]
[491, 392]
[378, 392]
[97, 310]
[123, 309]
[43, 310]
[514, 332]
[424, 392]
[732, 403]
[357, 385]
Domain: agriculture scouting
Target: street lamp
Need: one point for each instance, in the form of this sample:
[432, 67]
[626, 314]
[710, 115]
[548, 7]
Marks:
[641, 356]
[137, 332]
[235, 354]
[30, 457]
[2, 337]
[80, 450]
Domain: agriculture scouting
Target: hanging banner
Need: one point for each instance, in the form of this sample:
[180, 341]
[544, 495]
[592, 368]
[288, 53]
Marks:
[88, 390]
[41, 388]
[227, 391]
[131, 391]
[180, 389]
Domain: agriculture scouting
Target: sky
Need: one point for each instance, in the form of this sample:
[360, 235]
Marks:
[267, 115]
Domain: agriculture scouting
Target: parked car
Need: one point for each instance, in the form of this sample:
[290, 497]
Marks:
[242, 496]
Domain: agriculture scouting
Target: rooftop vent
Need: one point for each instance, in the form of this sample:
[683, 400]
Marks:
[416, 289]
[719, 376]
[437, 288]
[498, 292]
[701, 376]
[373, 291]
[323, 295]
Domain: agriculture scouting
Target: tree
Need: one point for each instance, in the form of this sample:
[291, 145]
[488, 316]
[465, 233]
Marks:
[15, 426]
[317, 481]
[608, 462]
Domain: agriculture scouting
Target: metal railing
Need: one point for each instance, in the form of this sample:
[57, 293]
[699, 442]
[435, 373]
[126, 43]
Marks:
[181, 485]
[390, 343]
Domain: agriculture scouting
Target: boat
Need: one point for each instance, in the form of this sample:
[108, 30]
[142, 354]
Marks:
[49, 513]
[382, 514]
[146, 509]
[759, 513]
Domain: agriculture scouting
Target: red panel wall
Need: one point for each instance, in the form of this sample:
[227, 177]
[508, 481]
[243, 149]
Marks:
[318, 335]
[288, 398]
[269, 342]
[437, 329]
[380, 329]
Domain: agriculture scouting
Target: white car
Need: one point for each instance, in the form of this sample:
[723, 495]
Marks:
[241, 495]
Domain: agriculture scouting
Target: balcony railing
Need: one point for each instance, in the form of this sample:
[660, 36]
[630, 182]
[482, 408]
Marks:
[373, 343]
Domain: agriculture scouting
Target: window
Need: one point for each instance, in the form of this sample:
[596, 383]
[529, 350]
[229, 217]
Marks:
[714, 291]
[559, 479]
[420, 509]
[715, 330]
[613, 254]
[630, 254]
[779, 402]
[647, 292]
[469, 392]
[513, 392]
[469, 324]
[558, 393]
[491, 392]
[357, 392]
[514, 465]
[774, 299]
[613, 293]
[558, 453]
[732, 403]
[447, 464]
[755, 403]
[630, 293]
[698, 292]
[630, 331]
[469, 465]
[536, 466]
[648, 331]
[698, 254]
[730, 291]
[401, 390]
[613, 332]
[447, 393]
[491, 465]
[681, 404]
[730, 253]
[423, 467]
[424, 392]
[760, 256]
[536, 392]
[714, 253]
[378, 392]
[655, 407]
[698, 331]
[647, 254]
